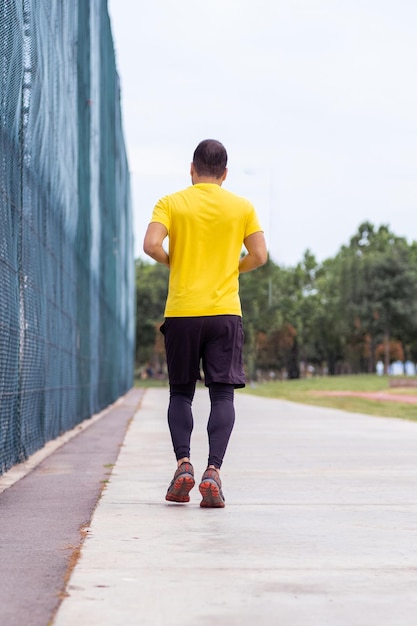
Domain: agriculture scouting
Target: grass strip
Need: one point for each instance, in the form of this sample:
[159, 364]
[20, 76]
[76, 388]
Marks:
[307, 391]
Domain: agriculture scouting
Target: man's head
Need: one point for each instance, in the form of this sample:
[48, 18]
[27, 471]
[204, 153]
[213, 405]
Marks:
[209, 161]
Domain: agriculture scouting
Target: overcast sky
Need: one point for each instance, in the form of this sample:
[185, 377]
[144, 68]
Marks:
[315, 101]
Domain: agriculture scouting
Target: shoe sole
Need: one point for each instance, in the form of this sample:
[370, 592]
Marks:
[180, 489]
[210, 492]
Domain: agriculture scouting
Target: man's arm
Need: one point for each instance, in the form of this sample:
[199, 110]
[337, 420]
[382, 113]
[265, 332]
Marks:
[152, 244]
[257, 253]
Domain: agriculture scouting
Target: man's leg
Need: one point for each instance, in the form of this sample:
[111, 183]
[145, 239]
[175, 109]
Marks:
[180, 418]
[223, 369]
[221, 421]
[219, 428]
[180, 421]
[182, 344]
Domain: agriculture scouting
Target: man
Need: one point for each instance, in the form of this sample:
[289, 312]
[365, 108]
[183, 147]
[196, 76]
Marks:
[207, 227]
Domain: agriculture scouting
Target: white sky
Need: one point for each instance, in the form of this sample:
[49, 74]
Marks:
[315, 101]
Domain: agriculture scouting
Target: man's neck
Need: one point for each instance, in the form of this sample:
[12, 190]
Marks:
[207, 179]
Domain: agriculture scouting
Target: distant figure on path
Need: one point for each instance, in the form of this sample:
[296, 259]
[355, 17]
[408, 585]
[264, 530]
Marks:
[207, 227]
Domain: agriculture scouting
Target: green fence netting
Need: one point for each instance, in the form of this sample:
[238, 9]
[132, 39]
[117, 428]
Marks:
[66, 243]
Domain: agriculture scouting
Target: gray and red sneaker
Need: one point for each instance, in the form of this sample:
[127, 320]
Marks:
[211, 490]
[181, 484]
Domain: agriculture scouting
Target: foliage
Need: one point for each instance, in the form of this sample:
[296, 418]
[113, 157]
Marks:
[151, 292]
[337, 317]
[378, 292]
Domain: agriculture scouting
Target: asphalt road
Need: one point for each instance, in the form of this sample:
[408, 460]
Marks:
[42, 517]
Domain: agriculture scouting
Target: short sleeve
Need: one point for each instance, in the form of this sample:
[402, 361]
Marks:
[253, 224]
[161, 213]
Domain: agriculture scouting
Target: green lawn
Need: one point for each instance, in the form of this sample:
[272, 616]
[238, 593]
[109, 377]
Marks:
[307, 391]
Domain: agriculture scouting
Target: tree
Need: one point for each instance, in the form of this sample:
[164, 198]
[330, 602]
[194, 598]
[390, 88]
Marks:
[378, 289]
[151, 292]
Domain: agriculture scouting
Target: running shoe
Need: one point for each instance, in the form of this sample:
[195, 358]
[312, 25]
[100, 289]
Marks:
[181, 484]
[211, 489]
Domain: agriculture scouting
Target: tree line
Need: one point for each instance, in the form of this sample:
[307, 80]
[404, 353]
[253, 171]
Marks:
[339, 316]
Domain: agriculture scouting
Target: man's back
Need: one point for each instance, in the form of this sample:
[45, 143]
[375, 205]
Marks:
[206, 226]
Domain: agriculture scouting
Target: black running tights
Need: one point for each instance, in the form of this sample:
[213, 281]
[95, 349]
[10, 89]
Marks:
[220, 423]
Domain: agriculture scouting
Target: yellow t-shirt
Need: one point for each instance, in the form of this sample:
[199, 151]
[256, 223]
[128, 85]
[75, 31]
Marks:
[206, 228]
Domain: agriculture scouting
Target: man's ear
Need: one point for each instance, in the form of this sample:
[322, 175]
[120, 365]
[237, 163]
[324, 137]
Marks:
[225, 175]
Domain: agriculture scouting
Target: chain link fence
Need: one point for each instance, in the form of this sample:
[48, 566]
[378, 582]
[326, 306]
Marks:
[66, 243]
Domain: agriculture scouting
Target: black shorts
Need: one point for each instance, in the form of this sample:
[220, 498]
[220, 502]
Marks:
[215, 341]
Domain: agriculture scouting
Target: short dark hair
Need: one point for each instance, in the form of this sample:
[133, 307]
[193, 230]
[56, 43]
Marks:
[210, 158]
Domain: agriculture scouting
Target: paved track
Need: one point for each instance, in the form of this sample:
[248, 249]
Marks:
[319, 528]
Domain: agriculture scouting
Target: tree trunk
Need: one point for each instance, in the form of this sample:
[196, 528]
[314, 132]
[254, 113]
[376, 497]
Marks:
[293, 368]
[331, 364]
[371, 360]
[387, 354]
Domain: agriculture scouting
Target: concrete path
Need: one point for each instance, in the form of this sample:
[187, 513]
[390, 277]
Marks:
[320, 525]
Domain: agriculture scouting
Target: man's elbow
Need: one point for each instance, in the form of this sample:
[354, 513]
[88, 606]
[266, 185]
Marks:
[151, 247]
[260, 257]
[154, 237]
[256, 247]
[263, 258]
[148, 248]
